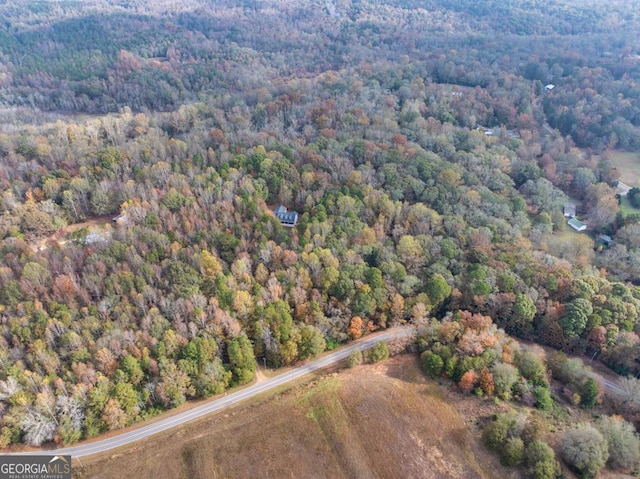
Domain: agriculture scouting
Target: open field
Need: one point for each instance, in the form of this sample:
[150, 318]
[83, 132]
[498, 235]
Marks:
[628, 163]
[381, 421]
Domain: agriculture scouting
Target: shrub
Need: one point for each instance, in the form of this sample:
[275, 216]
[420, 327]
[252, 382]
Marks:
[432, 364]
[540, 461]
[574, 371]
[630, 392]
[495, 434]
[543, 398]
[513, 452]
[503, 427]
[533, 369]
[585, 449]
[533, 429]
[504, 377]
[624, 445]
[555, 362]
[354, 359]
[589, 392]
[379, 352]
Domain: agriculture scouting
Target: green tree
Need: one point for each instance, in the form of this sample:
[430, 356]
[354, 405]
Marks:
[67, 431]
[624, 444]
[96, 401]
[176, 384]
[575, 317]
[213, 379]
[241, 359]
[543, 399]
[540, 461]
[634, 197]
[504, 377]
[278, 316]
[589, 392]
[585, 449]
[379, 352]
[127, 397]
[523, 313]
[542, 194]
[432, 364]
[503, 427]
[437, 289]
[534, 429]
[533, 369]
[131, 367]
[200, 352]
[35, 275]
[355, 358]
[513, 452]
[182, 278]
[411, 252]
[101, 200]
[312, 342]
[363, 304]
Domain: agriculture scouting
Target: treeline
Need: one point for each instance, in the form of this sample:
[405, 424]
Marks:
[150, 60]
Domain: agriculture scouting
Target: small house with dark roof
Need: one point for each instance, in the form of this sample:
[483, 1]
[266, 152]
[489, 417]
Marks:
[604, 240]
[287, 218]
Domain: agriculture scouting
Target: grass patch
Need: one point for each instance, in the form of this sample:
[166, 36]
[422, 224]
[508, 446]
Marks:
[325, 386]
[628, 163]
[379, 420]
[566, 234]
[315, 413]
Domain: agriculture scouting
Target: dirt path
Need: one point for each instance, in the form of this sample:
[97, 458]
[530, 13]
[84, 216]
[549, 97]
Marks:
[59, 236]
[260, 376]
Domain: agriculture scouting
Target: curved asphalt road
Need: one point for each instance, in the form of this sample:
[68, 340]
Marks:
[233, 398]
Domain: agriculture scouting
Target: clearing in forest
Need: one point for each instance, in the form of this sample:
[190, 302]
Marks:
[628, 163]
[384, 420]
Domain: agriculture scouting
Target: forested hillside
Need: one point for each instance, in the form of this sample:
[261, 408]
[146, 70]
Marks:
[417, 141]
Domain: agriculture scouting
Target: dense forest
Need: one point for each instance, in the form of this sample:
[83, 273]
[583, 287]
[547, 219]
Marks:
[418, 141]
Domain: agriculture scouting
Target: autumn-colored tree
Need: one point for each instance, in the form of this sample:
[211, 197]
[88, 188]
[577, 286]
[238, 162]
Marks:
[355, 327]
[113, 415]
[485, 380]
[468, 381]
[106, 361]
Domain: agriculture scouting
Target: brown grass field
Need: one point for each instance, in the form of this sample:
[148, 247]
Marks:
[628, 163]
[376, 421]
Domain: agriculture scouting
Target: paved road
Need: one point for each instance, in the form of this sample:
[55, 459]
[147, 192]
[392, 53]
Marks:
[233, 398]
